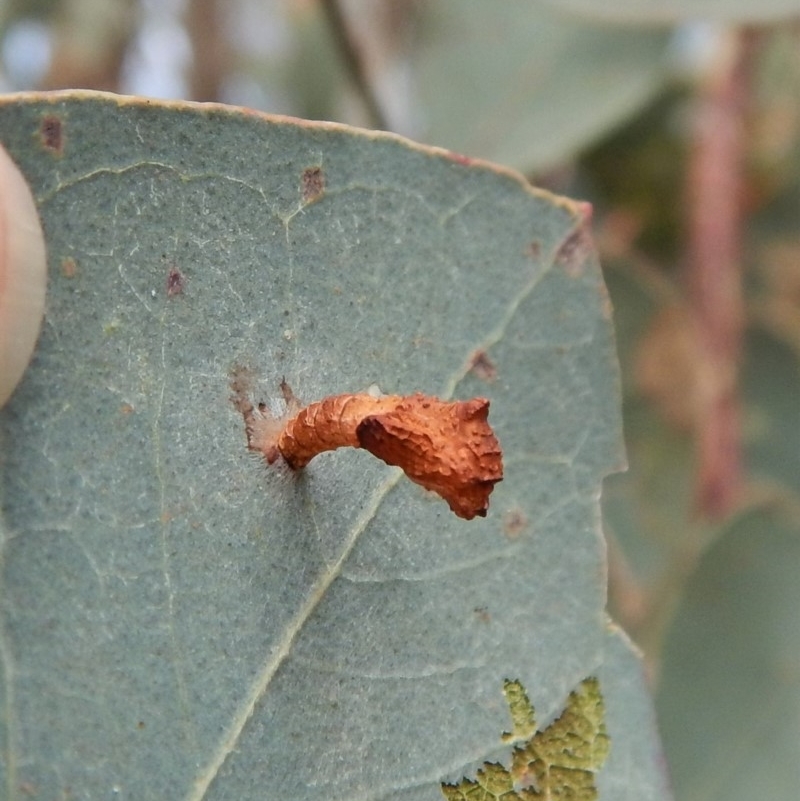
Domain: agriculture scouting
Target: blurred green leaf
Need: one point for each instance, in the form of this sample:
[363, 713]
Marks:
[648, 509]
[518, 83]
[727, 685]
[650, 11]
[728, 696]
[771, 382]
[180, 621]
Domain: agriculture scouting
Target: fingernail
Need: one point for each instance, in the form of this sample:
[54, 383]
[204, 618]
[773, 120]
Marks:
[23, 275]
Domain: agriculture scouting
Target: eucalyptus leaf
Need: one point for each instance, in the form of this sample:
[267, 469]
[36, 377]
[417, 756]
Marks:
[180, 620]
[650, 11]
[522, 84]
[728, 697]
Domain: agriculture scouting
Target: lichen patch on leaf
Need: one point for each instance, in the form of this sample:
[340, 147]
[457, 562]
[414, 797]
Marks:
[559, 761]
[521, 712]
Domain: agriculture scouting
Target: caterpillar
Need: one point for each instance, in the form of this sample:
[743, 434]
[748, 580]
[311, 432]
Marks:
[445, 446]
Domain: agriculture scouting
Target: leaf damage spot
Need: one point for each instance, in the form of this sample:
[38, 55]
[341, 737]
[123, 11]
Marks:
[175, 282]
[312, 184]
[534, 249]
[261, 427]
[69, 267]
[559, 761]
[514, 523]
[51, 134]
[575, 249]
[482, 366]
[446, 447]
[241, 384]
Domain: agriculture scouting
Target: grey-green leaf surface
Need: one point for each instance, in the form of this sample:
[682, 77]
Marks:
[181, 621]
[733, 651]
[650, 11]
[522, 84]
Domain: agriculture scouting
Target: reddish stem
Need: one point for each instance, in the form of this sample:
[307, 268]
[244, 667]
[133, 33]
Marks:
[714, 258]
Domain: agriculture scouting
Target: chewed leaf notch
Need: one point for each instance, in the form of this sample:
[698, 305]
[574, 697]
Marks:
[559, 761]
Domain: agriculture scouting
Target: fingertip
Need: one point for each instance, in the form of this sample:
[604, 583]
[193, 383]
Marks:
[23, 275]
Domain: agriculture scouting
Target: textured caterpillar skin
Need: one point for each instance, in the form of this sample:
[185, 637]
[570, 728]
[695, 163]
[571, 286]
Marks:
[329, 424]
[447, 447]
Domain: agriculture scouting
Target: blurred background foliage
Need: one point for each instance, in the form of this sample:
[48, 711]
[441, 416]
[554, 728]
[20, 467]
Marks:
[680, 122]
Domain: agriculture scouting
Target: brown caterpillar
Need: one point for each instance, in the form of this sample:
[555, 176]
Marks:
[447, 447]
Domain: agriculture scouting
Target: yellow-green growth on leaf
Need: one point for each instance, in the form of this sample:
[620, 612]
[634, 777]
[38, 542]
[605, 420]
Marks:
[558, 762]
[521, 712]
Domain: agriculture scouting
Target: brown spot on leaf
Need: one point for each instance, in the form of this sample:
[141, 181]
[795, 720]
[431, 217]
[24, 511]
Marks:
[514, 523]
[69, 267]
[534, 249]
[482, 366]
[313, 184]
[175, 282]
[51, 134]
[575, 249]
